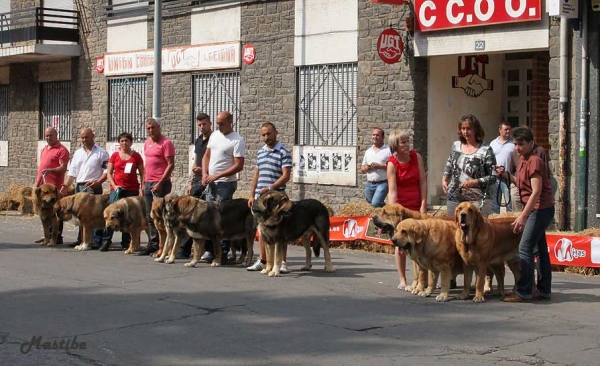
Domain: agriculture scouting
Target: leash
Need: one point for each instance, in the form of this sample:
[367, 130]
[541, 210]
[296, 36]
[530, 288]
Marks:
[500, 195]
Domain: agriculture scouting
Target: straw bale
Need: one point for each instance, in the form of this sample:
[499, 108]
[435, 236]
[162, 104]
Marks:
[358, 208]
[503, 214]
[364, 245]
[26, 206]
[5, 203]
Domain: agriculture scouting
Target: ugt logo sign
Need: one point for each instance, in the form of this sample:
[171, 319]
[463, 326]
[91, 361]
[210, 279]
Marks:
[564, 251]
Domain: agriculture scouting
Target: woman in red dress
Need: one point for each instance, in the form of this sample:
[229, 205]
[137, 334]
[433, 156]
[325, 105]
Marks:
[407, 183]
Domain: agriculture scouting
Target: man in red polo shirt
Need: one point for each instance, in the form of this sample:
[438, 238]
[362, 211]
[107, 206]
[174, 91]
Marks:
[53, 166]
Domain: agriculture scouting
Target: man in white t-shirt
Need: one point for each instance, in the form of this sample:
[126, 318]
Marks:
[374, 164]
[223, 159]
[503, 147]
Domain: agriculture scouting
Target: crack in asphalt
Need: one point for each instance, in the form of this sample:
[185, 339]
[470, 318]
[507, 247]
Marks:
[88, 360]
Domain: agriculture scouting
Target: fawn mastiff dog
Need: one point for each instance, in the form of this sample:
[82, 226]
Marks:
[387, 219]
[281, 221]
[486, 243]
[128, 215]
[430, 243]
[45, 196]
[86, 210]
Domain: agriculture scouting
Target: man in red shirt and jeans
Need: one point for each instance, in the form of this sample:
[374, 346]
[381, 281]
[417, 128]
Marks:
[53, 166]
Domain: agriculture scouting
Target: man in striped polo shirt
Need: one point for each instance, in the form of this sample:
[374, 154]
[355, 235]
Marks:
[272, 171]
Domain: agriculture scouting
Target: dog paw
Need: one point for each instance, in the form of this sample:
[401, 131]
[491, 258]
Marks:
[463, 296]
[306, 268]
[190, 264]
[215, 264]
[159, 260]
[441, 298]
[273, 274]
[329, 269]
[128, 251]
[52, 243]
[408, 288]
[172, 260]
[264, 271]
[479, 298]
[40, 241]
[424, 294]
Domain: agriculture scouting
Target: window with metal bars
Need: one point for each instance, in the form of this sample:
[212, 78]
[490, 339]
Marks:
[55, 108]
[326, 105]
[213, 93]
[127, 107]
[4, 106]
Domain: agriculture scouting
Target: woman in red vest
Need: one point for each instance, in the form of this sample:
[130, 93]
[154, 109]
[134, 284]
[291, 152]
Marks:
[407, 183]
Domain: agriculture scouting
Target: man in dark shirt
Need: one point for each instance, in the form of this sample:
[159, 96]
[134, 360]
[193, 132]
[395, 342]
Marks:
[195, 187]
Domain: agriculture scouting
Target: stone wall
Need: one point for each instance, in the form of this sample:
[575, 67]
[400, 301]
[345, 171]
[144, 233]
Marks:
[267, 85]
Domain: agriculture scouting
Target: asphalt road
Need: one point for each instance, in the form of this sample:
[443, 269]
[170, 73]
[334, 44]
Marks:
[129, 310]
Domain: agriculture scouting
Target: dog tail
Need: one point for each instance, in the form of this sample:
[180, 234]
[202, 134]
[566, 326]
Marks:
[316, 245]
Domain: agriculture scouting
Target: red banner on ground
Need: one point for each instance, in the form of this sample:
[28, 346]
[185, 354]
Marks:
[565, 250]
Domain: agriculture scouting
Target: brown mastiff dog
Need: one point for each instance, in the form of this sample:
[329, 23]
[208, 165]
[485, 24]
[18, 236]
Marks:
[45, 196]
[281, 221]
[387, 219]
[86, 210]
[430, 243]
[486, 243]
[128, 215]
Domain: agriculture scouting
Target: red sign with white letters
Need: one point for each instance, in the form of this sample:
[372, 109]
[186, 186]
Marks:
[100, 64]
[249, 54]
[447, 14]
[390, 46]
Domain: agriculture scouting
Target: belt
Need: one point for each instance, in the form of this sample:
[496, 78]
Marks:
[380, 181]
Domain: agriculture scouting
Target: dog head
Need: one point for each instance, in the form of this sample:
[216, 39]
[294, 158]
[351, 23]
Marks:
[116, 215]
[64, 208]
[272, 207]
[408, 233]
[389, 216]
[469, 220]
[46, 195]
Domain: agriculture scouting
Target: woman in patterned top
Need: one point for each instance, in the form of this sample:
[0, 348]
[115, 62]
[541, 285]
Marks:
[468, 175]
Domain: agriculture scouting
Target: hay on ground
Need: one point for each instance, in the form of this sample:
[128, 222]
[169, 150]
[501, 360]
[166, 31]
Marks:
[358, 208]
[368, 246]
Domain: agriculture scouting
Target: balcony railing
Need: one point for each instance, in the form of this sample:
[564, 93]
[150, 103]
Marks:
[39, 24]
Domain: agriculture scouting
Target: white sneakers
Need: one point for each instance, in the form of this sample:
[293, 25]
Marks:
[259, 266]
[283, 268]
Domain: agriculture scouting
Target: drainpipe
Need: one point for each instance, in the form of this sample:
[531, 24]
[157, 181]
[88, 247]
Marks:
[564, 122]
[157, 74]
[583, 122]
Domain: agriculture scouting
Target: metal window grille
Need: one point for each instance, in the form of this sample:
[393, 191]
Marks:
[4, 105]
[326, 106]
[216, 92]
[55, 110]
[127, 107]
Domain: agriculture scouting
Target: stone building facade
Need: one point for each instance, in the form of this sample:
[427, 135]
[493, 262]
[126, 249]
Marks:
[396, 96]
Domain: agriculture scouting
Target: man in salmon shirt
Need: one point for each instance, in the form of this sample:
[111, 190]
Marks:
[53, 166]
[160, 162]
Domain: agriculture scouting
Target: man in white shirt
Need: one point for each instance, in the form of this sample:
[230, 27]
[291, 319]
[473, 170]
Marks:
[503, 147]
[374, 164]
[88, 170]
[223, 159]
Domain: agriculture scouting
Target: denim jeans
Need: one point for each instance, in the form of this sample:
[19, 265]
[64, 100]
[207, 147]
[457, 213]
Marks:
[108, 232]
[376, 193]
[220, 191]
[149, 197]
[532, 241]
[497, 197]
[98, 233]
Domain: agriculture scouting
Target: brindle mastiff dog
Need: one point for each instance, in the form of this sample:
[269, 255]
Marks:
[281, 221]
[201, 220]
